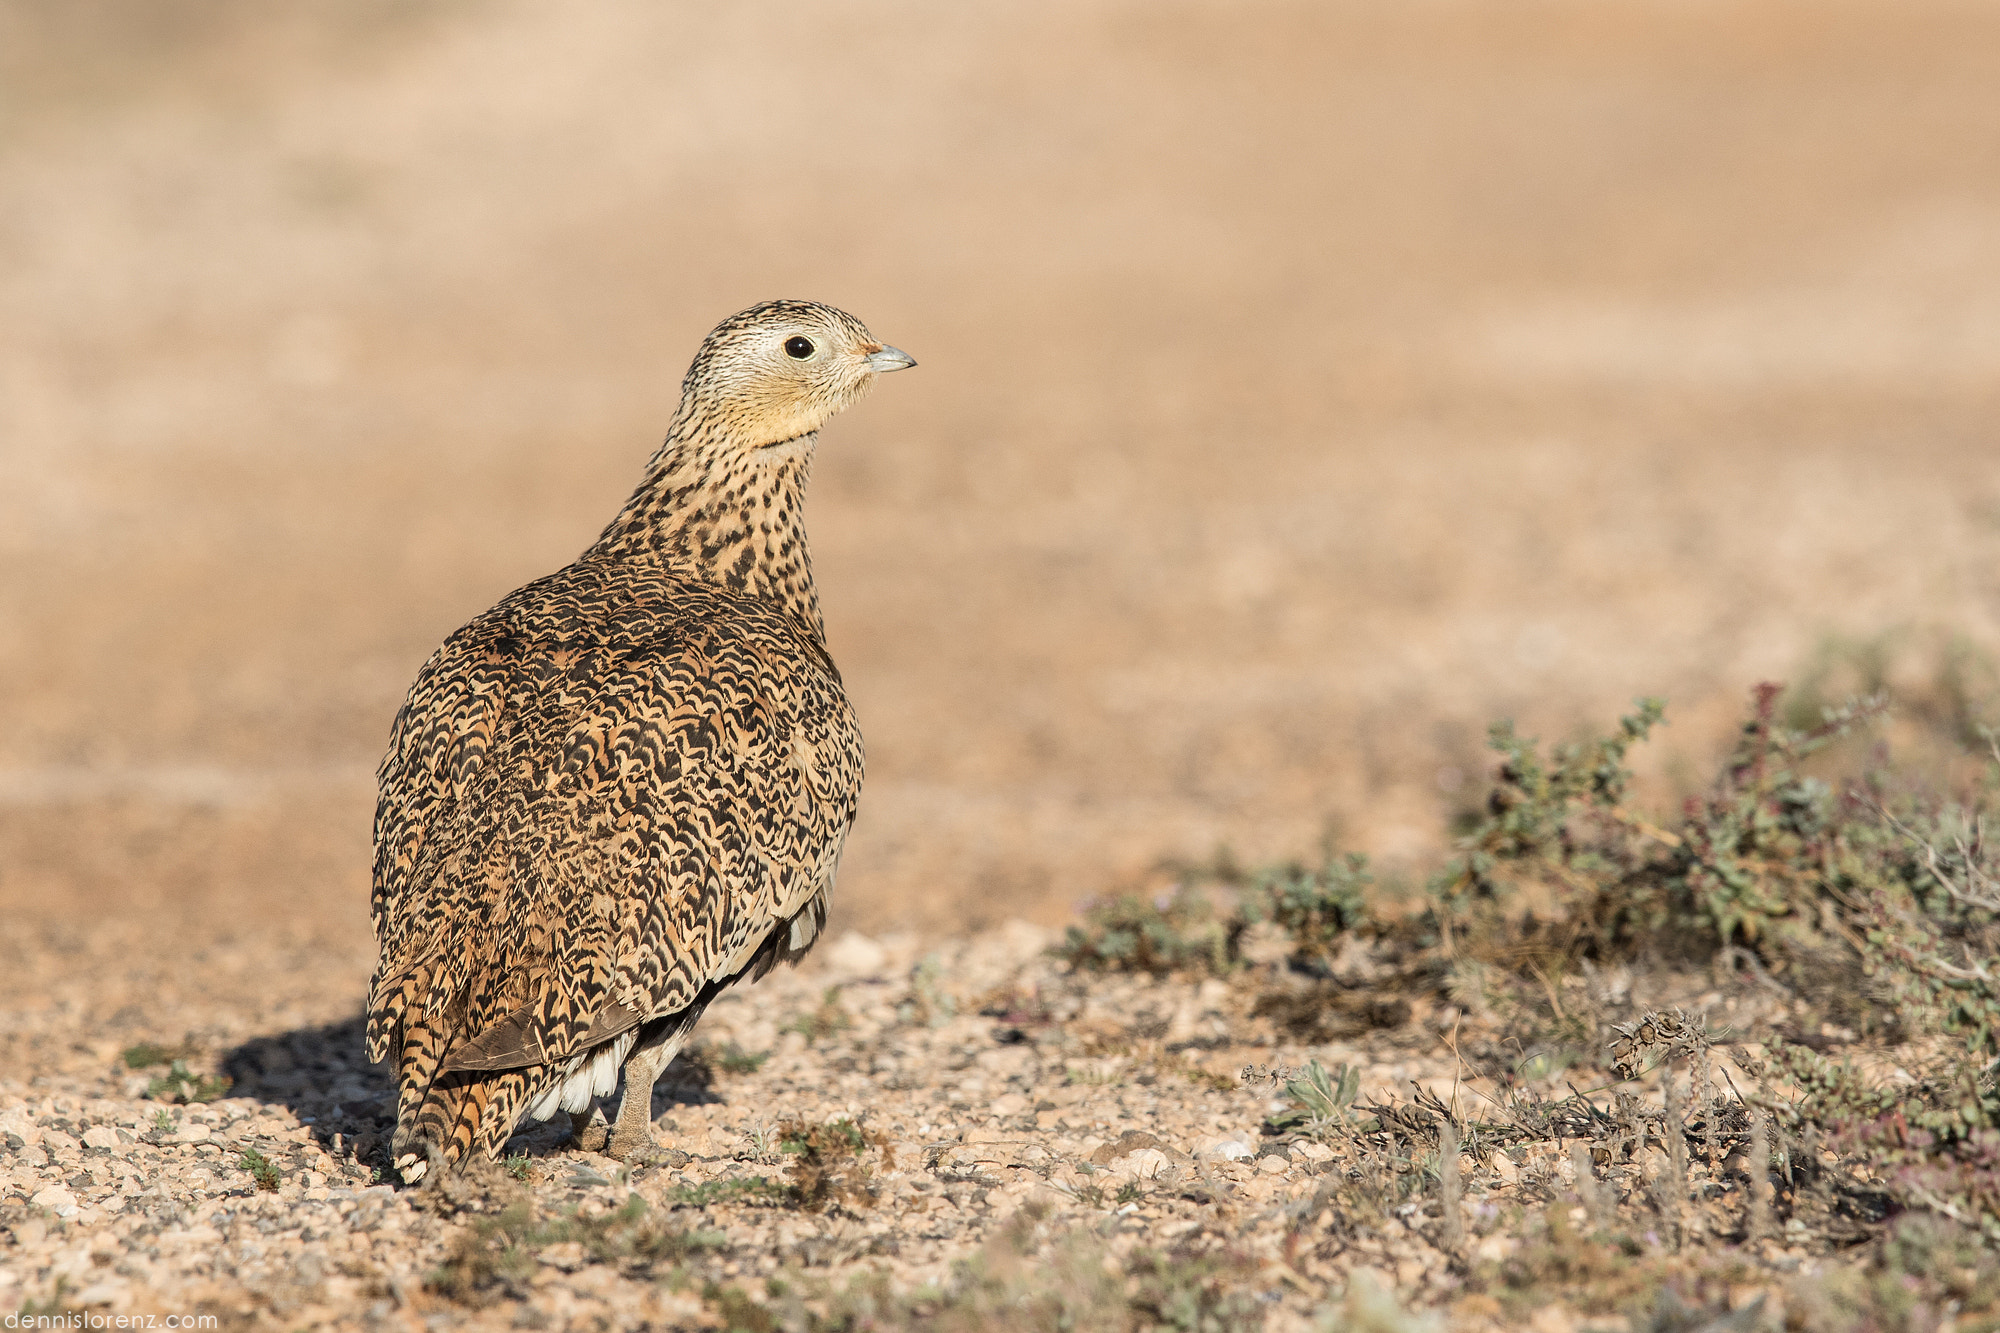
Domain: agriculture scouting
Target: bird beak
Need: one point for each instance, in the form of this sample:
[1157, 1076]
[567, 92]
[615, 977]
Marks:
[888, 359]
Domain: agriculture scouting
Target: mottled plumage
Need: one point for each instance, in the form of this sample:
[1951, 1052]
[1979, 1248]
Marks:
[625, 786]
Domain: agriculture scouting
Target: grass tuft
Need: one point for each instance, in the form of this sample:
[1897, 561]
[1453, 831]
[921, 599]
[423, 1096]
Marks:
[731, 1058]
[827, 1166]
[262, 1170]
[182, 1085]
[147, 1054]
[751, 1190]
[828, 1018]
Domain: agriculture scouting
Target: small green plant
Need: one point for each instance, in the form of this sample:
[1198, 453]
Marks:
[147, 1054]
[1193, 1292]
[842, 1135]
[929, 1003]
[1315, 905]
[163, 1122]
[829, 1017]
[1559, 867]
[181, 1084]
[518, 1166]
[1753, 856]
[753, 1190]
[739, 1312]
[261, 1169]
[826, 1166]
[763, 1142]
[733, 1059]
[1530, 809]
[1178, 932]
[1090, 1196]
[1925, 1261]
[1072, 1280]
[1325, 1100]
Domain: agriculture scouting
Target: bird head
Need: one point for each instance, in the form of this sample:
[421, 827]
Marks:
[779, 370]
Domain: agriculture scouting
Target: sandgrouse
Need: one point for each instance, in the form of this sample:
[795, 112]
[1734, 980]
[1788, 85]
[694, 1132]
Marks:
[626, 786]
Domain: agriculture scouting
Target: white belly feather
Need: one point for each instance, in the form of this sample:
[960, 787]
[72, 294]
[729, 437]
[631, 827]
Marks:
[585, 1077]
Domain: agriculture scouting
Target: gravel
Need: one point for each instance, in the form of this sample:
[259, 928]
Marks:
[988, 1082]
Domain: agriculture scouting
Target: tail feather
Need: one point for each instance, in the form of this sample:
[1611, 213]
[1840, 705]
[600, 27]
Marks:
[442, 1118]
[446, 1112]
[390, 1004]
[462, 1115]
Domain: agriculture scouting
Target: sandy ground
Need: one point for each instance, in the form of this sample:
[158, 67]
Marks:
[1036, 1128]
[1302, 385]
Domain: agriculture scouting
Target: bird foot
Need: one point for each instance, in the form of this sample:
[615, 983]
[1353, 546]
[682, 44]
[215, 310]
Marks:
[591, 1131]
[417, 1160]
[633, 1148]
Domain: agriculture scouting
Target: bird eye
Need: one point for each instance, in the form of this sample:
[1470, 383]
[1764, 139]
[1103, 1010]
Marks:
[799, 348]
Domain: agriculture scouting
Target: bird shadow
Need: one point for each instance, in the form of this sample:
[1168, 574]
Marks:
[323, 1076]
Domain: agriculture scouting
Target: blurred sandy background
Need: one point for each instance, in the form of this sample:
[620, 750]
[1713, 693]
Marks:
[1302, 386]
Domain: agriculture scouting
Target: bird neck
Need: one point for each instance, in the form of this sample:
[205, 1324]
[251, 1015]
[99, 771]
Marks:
[712, 510]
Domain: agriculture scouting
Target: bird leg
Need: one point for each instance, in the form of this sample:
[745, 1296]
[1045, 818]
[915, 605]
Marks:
[651, 1055]
[634, 1130]
[591, 1130]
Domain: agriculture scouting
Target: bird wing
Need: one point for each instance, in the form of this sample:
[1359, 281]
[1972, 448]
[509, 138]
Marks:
[586, 820]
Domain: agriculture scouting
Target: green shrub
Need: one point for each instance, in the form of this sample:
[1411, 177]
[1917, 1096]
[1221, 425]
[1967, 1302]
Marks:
[1181, 932]
[1761, 855]
[1314, 905]
[1529, 828]
[1325, 1099]
[183, 1085]
[261, 1169]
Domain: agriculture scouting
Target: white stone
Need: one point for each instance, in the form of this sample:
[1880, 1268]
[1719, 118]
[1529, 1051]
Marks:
[191, 1133]
[16, 1120]
[57, 1200]
[1143, 1163]
[1228, 1150]
[856, 953]
[103, 1293]
[100, 1136]
[1024, 939]
[1552, 1319]
[566, 1255]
